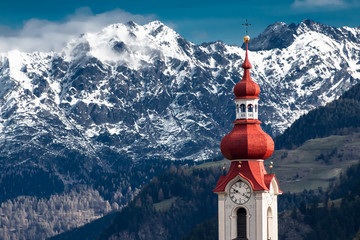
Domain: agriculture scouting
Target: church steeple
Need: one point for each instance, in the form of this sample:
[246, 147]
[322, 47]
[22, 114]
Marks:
[247, 194]
[247, 140]
[246, 88]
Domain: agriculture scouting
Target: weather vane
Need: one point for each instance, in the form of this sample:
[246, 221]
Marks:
[246, 24]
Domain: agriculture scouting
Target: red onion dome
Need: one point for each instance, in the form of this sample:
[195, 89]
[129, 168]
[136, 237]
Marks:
[247, 141]
[246, 88]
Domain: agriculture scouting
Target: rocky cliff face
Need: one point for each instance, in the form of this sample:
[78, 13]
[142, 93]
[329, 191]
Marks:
[131, 93]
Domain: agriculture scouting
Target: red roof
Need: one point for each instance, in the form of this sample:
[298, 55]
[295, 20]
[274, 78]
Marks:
[269, 178]
[252, 171]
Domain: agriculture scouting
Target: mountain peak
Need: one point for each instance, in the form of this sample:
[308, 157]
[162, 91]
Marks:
[154, 24]
[160, 31]
[130, 44]
[277, 35]
[309, 25]
[309, 22]
[278, 24]
[131, 24]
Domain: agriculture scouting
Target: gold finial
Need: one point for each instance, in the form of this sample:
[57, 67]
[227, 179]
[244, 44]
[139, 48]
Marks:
[246, 39]
[271, 167]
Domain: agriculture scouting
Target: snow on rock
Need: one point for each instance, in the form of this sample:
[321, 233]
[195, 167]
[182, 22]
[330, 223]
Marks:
[143, 92]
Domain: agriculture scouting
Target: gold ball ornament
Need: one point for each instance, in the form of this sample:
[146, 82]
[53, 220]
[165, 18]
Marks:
[246, 39]
[270, 166]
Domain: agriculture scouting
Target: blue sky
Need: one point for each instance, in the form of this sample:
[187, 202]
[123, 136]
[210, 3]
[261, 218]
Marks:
[23, 21]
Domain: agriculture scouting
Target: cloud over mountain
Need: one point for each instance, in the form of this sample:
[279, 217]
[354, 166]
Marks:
[44, 35]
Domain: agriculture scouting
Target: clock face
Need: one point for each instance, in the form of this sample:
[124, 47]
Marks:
[240, 192]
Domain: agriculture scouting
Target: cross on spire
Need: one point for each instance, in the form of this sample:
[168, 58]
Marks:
[246, 24]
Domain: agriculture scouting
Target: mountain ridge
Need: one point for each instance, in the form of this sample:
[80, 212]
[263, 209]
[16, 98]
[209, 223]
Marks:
[281, 35]
[130, 93]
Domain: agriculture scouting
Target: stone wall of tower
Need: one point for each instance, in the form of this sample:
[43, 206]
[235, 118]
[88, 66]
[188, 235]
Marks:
[257, 215]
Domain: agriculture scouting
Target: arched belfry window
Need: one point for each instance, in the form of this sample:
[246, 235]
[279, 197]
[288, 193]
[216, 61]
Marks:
[242, 108]
[241, 224]
[256, 108]
[237, 108]
[250, 108]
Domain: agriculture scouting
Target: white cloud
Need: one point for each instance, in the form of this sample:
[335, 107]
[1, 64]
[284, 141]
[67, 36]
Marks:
[318, 3]
[44, 35]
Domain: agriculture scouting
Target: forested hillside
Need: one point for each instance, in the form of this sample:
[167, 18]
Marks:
[168, 208]
[337, 117]
[45, 216]
[171, 206]
[338, 217]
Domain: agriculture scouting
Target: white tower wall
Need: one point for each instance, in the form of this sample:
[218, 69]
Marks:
[260, 226]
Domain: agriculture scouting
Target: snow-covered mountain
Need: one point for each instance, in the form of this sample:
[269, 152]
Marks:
[280, 35]
[131, 93]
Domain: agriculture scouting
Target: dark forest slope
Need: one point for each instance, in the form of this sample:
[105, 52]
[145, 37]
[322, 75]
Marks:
[167, 208]
[336, 117]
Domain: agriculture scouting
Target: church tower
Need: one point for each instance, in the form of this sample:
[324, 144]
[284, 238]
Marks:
[247, 194]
